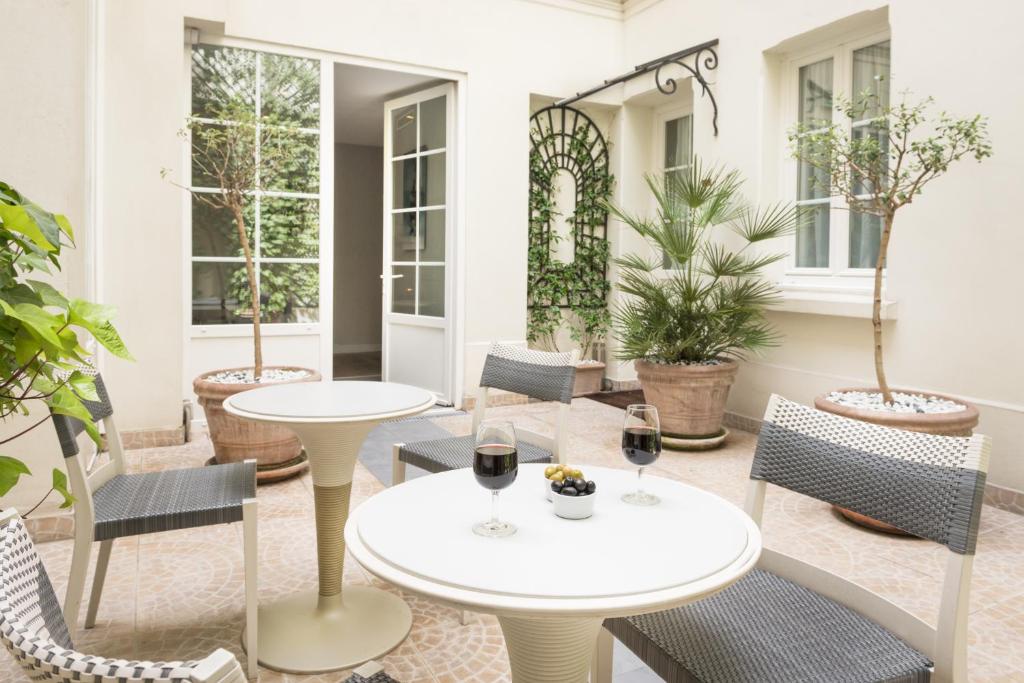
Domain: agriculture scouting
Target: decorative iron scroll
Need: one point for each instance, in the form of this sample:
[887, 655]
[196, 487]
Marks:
[564, 138]
[709, 62]
[696, 60]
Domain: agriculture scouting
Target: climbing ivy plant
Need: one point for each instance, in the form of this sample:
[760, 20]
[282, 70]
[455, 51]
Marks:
[575, 293]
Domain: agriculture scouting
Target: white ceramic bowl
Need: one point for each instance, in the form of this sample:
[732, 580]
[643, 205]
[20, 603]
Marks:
[548, 493]
[573, 507]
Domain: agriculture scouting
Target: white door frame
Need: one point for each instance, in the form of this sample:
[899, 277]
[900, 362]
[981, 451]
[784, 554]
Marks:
[456, 336]
[451, 161]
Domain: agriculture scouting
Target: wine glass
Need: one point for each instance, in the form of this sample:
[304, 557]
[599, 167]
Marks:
[641, 444]
[495, 464]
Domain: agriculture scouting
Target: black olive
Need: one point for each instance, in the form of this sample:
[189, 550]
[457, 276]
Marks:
[569, 491]
[556, 486]
[591, 487]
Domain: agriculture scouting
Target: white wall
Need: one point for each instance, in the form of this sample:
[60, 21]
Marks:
[358, 245]
[954, 259]
[43, 122]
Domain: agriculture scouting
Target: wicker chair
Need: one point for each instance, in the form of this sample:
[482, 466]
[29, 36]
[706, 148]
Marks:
[538, 374]
[111, 504]
[35, 633]
[788, 620]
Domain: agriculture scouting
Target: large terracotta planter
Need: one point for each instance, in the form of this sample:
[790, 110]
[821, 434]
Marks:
[588, 378]
[690, 398]
[277, 451]
[961, 423]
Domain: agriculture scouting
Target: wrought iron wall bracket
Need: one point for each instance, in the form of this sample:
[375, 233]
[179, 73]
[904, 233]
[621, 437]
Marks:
[695, 60]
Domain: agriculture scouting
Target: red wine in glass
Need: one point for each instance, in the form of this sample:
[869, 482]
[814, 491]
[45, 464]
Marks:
[495, 465]
[641, 445]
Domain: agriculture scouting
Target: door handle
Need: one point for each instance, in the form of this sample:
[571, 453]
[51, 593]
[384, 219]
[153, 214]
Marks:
[393, 276]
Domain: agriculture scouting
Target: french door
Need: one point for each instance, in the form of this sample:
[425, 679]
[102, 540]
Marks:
[419, 184]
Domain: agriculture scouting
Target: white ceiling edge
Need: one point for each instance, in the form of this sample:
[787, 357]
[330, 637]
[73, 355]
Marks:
[610, 9]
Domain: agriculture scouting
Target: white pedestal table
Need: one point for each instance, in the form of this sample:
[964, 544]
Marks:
[330, 629]
[554, 581]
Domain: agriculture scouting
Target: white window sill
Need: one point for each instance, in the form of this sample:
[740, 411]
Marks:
[835, 301]
[266, 330]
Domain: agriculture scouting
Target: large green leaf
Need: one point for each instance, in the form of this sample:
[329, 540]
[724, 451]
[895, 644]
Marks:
[11, 470]
[18, 218]
[84, 386]
[64, 402]
[42, 324]
[48, 293]
[96, 318]
[60, 485]
[47, 222]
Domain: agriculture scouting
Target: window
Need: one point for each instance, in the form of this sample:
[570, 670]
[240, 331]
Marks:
[283, 213]
[677, 156]
[418, 158]
[835, 241]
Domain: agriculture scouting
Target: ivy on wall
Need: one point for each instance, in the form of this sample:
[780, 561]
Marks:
[574, 293]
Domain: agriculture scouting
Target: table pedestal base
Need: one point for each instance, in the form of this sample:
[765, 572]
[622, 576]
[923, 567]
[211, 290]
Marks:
[550, 650]
[308, 634]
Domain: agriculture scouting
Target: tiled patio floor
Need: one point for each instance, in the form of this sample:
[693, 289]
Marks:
[180, 594]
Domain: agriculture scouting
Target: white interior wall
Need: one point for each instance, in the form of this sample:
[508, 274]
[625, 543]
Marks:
[358, 245]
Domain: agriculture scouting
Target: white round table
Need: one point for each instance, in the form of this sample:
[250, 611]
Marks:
[328, 630]
[554, 581]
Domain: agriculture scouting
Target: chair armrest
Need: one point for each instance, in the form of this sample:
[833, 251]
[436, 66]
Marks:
[220, 667]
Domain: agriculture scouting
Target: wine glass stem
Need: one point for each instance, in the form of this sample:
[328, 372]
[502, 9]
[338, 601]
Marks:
[640, 480]
[494, 507]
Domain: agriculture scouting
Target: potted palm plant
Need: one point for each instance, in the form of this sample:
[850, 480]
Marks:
[907, 146]
[685, 326]
[43, 361]
[226, 155]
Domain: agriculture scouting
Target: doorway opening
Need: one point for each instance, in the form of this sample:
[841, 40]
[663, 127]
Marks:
[360, 96]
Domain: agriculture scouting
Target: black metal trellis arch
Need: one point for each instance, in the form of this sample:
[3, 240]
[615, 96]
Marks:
[565, 138]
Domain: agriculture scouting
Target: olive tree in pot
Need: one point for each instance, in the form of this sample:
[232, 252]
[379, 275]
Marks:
[906, 147]
[42, 360]
[227, 156]
[685, 326]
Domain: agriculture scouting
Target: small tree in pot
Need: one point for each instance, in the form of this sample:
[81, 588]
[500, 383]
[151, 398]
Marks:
[233, 157]
[906, 147]
[685, 326]
[881, 172]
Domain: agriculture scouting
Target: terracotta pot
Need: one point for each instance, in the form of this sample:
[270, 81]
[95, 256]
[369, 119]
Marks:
[278, 452]
[690, 398]
[961, 423]
[588, 378]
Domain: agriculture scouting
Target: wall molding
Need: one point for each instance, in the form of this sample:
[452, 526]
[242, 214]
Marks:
[608, 9]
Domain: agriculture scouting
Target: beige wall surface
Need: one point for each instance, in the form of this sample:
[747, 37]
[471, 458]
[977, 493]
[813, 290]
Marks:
[955, 252]
[358, 245]
[43, 123]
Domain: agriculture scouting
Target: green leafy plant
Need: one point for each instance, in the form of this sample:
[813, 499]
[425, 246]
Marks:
[573, 294]
[710, 305]
[42, 359]
[880, 168]
[224, 156]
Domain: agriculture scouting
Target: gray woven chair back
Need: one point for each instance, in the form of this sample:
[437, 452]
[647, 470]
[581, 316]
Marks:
[930, 486]
[68, 428]
[28, 606]
[542, 375]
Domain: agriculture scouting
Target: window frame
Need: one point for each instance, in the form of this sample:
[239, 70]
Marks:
[660, 118]
[213, 330]
[838, 274]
